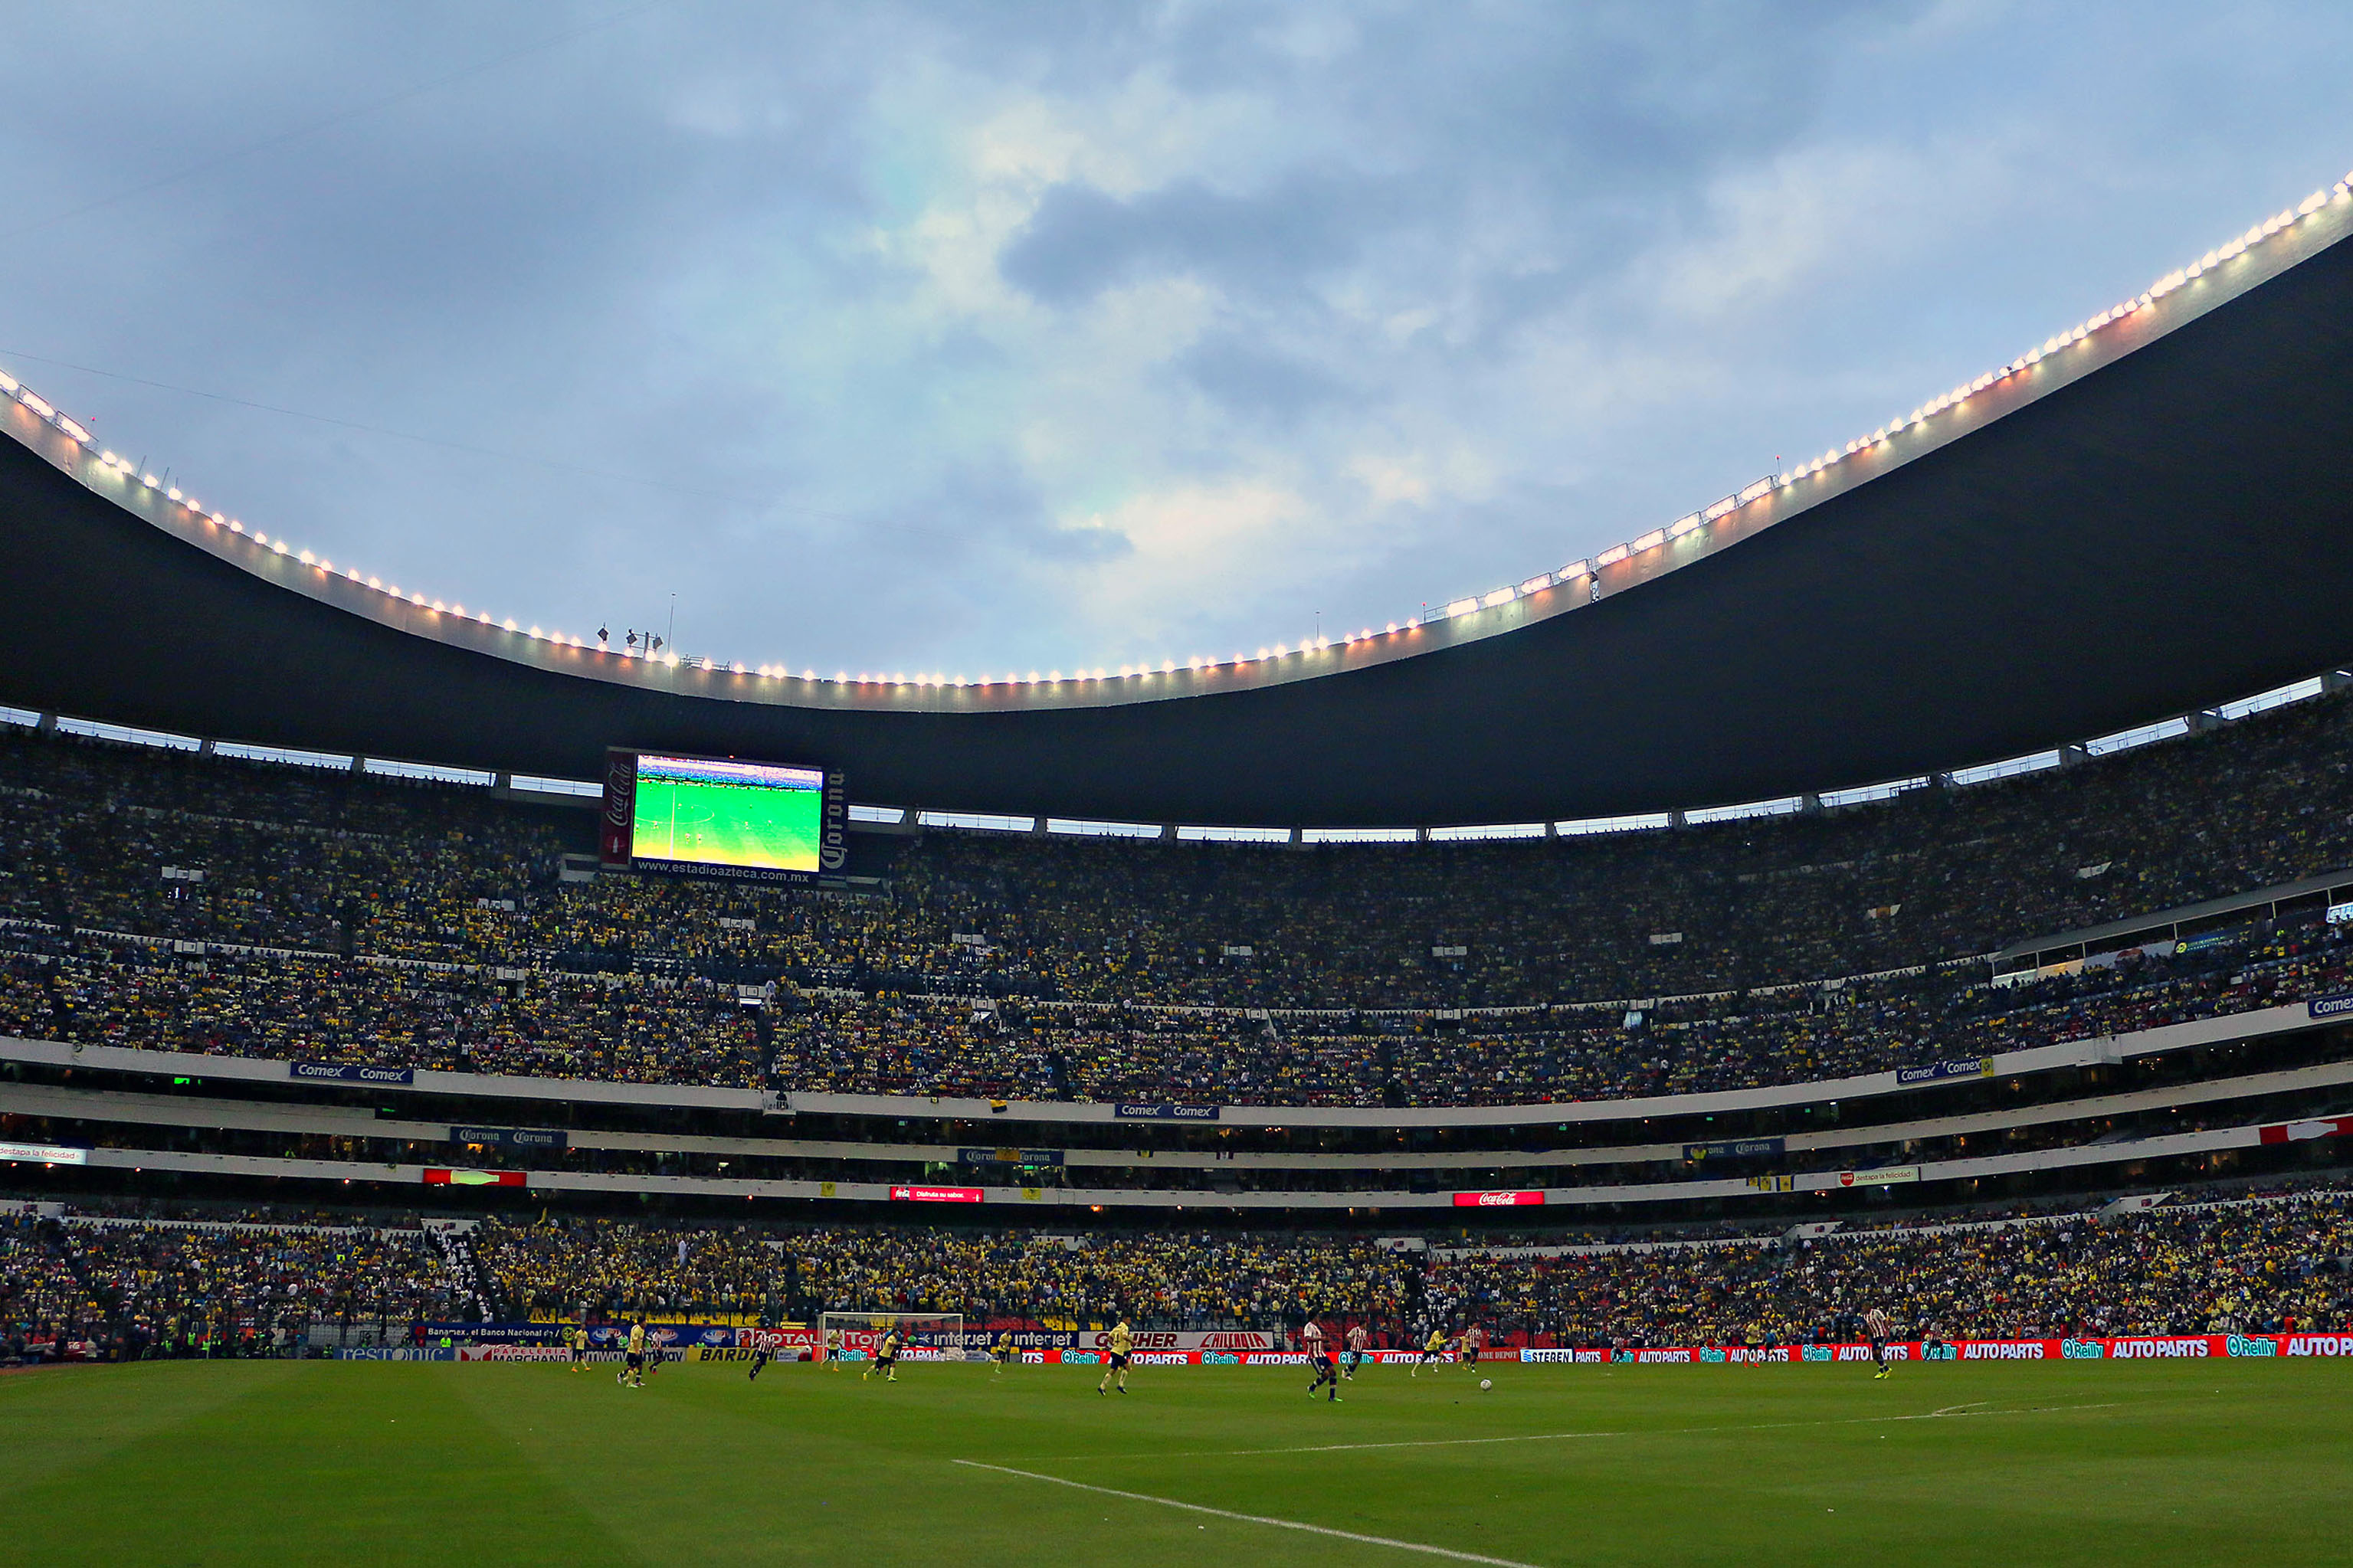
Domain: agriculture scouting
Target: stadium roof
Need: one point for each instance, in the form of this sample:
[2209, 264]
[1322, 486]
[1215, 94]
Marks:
[2142, 518]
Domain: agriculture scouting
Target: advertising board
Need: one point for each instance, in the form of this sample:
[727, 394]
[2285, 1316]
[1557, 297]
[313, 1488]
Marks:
[1937, 1072]
[937, 1194]
[348, 1072]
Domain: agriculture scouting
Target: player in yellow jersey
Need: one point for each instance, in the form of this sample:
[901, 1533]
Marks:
[577, 1338]
[886, 1356]
[833, 1349]
[633, 1368]
[1001, 1353]
[1122, 1345]
[1432, 1349]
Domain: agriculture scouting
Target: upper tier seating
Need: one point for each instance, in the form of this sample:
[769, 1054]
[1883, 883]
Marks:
[429, 925]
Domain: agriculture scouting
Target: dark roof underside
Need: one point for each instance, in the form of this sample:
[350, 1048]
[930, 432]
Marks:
[2166, 533]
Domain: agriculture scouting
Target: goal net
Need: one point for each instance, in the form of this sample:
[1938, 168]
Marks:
[931, 1336]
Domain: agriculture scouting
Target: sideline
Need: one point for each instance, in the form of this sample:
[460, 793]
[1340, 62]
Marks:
[1255, 1517]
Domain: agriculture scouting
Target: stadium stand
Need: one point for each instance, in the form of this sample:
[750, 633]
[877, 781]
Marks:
[2255, 1263]
[347, 919]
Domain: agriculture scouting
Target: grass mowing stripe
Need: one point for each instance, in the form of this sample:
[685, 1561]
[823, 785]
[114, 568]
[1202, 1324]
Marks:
[1950, 1412]
[1254, 1518]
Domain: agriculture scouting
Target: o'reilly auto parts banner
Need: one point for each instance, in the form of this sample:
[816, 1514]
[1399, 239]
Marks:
[2144, 1347]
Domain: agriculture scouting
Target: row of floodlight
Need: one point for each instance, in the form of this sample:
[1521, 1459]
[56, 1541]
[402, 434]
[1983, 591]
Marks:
[193, 512]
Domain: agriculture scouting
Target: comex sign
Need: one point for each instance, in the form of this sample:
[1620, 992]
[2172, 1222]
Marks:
[344, 1072]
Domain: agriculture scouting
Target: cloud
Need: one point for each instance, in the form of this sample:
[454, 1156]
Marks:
[936, 334]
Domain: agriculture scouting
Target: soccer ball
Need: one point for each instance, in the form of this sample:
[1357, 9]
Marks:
[1487, 1382]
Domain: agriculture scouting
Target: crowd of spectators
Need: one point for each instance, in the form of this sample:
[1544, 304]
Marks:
[2240, 1264]
[2265, 1266]
[1156, 1280]
[656, 1028]
[97, 836]
[133, 1287]
[632, 1028]
[348, 918]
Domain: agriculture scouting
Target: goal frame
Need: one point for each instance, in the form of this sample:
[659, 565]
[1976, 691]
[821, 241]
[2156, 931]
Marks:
[876, 1321]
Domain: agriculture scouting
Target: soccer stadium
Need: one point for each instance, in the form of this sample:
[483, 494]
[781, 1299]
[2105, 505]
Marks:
[1821, 1031]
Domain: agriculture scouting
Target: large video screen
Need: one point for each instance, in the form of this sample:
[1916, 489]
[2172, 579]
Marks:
[720, 817]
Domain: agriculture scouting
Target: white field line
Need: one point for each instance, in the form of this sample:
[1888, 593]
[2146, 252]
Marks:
[1256, 1518]
[1949, 1413]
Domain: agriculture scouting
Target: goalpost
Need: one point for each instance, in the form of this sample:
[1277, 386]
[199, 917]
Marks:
[931, 1336]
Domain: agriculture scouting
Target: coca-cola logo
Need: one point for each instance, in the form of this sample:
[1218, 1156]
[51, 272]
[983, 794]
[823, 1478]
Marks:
[617, 832]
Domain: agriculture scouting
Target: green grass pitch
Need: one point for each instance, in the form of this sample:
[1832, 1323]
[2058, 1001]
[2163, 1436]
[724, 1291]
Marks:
[2208, 1462]
[728, 824]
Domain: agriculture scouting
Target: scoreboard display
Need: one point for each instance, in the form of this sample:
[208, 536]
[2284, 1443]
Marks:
[722, 816]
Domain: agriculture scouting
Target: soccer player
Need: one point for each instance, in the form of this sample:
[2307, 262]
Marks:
[886, 1356]
[633, 1366]
[832, 1348]
[1473, 1337]
[577, 1338]
[1875, 1324]
[1001, 1353]
[1356, 1338]
[1319, 1356]
[760, 1354]
[1122, 1345]
[1433, 1350]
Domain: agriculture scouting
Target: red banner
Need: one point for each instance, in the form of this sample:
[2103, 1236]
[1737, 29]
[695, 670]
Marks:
[2297, 1131]
[937, 1195]
[436, 1177]
[1497, 1200]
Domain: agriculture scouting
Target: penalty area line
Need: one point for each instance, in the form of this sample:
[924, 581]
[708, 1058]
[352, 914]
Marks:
[1446, 1552]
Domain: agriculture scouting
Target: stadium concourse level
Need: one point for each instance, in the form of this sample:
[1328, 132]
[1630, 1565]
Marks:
[360, 919]
[2266, 1264]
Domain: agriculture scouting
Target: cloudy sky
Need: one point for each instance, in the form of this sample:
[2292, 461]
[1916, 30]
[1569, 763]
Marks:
[980, 338]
